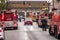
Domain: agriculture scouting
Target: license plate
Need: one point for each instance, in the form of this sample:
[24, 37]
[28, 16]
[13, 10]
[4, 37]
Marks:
[7, 24]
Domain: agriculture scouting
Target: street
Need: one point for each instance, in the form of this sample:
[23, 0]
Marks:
[16, 14]
[26, 32]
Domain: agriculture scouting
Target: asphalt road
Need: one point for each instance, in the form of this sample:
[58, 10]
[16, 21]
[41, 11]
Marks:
[28, 32]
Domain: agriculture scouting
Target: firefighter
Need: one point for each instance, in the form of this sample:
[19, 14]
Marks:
[20, 18]
[53, 23]
[44, 23]
[50, 15]
[37, 17]
[54, 18]
[39, 21]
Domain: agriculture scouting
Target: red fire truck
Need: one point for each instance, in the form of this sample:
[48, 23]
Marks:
[9, 20]
[55, 25]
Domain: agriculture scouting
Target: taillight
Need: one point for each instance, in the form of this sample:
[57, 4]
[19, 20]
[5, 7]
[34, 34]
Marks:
[2, 17]
[0, 30]
[15, 24]
[14, 15]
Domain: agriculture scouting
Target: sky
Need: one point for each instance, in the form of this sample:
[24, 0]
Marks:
[31, 0]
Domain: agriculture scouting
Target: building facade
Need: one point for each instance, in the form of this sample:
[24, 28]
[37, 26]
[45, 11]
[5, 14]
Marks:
[57, 4]
[28, 8]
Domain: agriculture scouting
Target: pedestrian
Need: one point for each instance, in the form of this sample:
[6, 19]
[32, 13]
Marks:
[44, 23]
[37, 18]
[20, 18]
[50, 15]
[39, 21]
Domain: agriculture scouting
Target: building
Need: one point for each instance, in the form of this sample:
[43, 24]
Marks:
[56, 4]
[26, 8]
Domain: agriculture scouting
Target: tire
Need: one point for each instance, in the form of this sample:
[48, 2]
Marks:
[55, 32]
[50, 32]
[1, 39]
[16, 28]
[59, 36]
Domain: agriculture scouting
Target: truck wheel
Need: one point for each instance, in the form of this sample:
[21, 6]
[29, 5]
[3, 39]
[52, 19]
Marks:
[55, 32]
[50, 32]
[59, 36]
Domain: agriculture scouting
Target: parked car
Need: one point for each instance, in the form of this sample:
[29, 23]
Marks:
[28, 21]
[1, 33]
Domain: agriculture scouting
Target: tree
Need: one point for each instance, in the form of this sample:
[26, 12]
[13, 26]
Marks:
[3, 5]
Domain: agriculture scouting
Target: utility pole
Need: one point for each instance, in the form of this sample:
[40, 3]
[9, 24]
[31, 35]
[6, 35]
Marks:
[53, 3]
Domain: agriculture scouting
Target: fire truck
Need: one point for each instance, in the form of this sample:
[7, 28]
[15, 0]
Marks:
[55, 25]
[9, 20]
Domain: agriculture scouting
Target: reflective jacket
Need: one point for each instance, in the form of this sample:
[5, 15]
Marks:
[55, 19]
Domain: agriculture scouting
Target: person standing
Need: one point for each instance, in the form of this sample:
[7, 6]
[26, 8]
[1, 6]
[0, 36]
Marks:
[37, 17]
[39, 22]
[44, 23]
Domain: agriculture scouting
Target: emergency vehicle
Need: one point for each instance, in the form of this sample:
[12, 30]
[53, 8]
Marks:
[55, 25]
[9, 20]
[0, 18]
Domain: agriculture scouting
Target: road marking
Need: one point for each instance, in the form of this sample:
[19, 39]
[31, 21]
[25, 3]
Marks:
[26, 36]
